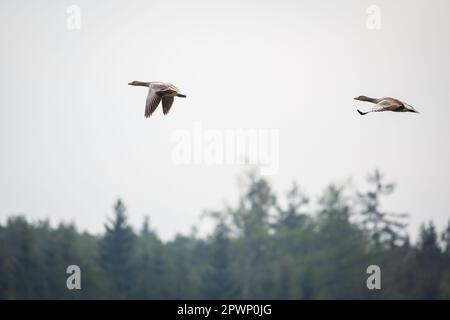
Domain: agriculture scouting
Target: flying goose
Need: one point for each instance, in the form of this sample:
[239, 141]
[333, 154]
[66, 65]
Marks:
[158, 91]
[386, 104]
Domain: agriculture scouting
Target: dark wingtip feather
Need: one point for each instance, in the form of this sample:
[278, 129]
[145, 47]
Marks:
[360, 112]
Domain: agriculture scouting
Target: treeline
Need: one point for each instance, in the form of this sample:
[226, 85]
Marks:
[264, 247]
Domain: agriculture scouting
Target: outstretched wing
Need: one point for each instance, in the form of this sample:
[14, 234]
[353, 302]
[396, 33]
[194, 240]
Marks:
[170, 87]
[380, 108]
[377, 108]
[410, 107]
[164, 87]
[390, 104]
[167, 103]
[152, 102]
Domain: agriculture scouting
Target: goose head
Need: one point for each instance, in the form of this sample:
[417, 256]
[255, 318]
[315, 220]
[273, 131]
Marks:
[139, 83]
[364, 98]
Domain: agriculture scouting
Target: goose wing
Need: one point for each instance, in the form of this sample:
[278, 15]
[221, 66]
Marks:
[152, 101]
[170, 87]
[377, 108]
[167, 103]
[162, 87]
[410, 107]
[390, 104]
[380, 108]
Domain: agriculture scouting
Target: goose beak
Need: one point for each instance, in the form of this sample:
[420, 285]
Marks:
[130, 83]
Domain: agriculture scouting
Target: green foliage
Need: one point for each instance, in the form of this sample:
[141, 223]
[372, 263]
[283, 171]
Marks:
[116, 252]
[383, 228]
[263, 247]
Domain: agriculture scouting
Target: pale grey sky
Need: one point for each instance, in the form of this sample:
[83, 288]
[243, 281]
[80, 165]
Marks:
[73, 137]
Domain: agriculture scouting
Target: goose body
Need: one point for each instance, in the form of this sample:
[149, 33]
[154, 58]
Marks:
[157, 92]
[386, 104]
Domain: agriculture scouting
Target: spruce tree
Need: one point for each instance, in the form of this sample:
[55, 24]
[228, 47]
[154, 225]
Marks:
[117, 250]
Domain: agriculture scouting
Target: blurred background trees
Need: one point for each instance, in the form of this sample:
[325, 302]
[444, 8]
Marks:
[264, 247]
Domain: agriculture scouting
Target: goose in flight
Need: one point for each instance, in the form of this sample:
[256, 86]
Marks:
[386, 104]
[158, 91]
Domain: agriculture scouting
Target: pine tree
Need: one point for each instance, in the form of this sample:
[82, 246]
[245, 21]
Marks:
[339, 245]
[23, 260]
[3, 265]
[445, 237]
[117, 253]
[430, 263]
[150, 264]
[292, 216]
[383, 228]
[251, 222]
[219, 281]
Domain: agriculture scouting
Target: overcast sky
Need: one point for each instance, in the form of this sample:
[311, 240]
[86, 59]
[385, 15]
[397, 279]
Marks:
[73, 136]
